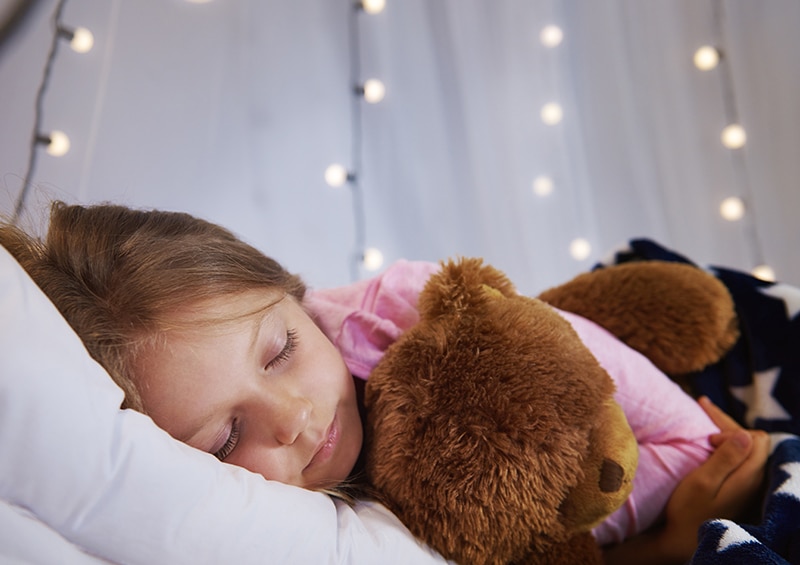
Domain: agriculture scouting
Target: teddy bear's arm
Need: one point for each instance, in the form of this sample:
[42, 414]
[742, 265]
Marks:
[679, 316]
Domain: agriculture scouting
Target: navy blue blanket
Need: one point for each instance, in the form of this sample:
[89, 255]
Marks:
[758, 384]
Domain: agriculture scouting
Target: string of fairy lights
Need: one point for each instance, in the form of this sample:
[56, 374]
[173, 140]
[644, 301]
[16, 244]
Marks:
[370, 91]
[733, 208]
[55, 142]
[707, 58]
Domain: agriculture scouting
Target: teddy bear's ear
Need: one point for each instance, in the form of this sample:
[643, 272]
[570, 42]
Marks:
[461, 284]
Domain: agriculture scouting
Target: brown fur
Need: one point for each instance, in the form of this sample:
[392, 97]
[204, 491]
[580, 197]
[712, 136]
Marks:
[480, 419]
[492, 432]
[679, 316]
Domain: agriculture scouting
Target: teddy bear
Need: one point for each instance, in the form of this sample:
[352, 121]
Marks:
[492, 431]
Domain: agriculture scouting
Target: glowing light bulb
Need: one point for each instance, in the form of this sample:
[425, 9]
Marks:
[764, 272]
[734, 136]
[706, 58]
[732, 208]
[551, 36]
[580, 249]
[58, 143]
[542, 185]
[336, 175]
[82, 40]
[552, 113]
[373, 259]
[374, 91]
[373, 6]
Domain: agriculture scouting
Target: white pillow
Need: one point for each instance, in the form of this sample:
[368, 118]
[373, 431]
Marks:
[25, 539]
[113, 483]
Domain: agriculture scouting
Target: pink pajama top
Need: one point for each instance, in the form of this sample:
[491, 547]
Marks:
[672, 431]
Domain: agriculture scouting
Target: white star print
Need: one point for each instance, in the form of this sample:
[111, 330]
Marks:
[789, 294]
[790, 486]
[734, 535]
[758, 398]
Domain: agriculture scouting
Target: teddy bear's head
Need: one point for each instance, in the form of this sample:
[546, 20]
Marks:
[492, 432]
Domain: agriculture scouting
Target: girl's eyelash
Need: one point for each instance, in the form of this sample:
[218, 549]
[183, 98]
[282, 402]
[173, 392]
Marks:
[288, 349]
[230, 443]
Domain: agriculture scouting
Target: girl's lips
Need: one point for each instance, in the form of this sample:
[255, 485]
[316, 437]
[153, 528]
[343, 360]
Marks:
[326, 448]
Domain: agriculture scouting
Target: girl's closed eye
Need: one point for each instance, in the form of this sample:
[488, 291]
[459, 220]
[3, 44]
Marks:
[230, 443]
[283, 356]
[286, 352]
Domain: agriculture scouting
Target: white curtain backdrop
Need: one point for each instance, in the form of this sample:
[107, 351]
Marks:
[233, 109]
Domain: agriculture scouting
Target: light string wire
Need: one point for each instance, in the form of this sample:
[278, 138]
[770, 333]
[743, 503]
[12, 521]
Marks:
[354, 173]
[730, 109]
[36, 136]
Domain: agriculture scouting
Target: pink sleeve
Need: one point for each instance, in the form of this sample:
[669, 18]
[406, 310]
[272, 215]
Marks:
[670, 427]
[364, 318]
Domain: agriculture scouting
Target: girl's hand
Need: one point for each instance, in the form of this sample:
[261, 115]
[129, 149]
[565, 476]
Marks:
[724, 486]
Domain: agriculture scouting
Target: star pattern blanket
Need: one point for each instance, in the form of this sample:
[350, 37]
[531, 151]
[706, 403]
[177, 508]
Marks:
[757, 383]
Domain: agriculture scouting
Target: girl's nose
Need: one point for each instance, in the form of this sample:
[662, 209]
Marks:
[290, 417]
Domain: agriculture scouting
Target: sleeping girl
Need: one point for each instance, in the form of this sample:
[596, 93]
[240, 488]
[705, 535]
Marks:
[231, 354]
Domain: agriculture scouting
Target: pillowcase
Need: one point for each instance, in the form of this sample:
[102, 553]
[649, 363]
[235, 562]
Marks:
[113, 483]
[25, 539]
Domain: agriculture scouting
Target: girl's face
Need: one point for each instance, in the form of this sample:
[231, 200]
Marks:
[267, 392]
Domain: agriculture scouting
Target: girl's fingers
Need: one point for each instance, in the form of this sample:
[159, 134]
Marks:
[719, 438]
[720, 418]
[753, 465]
[704, 493]
[724, 486]
[731, 453]
[743, 485]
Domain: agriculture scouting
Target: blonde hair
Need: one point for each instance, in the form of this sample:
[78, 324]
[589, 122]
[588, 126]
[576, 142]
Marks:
[116, 274]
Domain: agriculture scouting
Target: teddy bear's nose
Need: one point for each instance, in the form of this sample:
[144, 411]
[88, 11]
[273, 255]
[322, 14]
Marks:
[611, 475]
